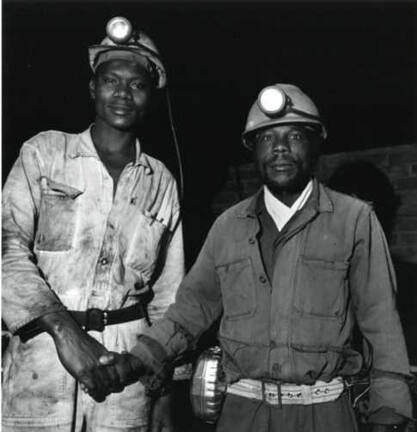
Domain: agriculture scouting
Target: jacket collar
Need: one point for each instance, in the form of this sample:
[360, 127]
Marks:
[319, 200]
[83, 147]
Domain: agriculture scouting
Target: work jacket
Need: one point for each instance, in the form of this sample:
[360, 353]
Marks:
[332, 267]
[70, 241]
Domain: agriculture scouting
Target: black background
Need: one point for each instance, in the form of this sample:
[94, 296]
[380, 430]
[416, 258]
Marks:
[357, 60]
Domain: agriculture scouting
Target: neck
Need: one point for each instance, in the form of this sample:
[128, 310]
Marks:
[110, 140]
[288, 197]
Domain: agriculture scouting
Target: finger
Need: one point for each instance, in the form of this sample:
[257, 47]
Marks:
[92, 392]
[100, 390]
[86, 383]
[97, 383]
[84, 388]
[107, 359]
[103, 380]
[98, 397]
[116, 385]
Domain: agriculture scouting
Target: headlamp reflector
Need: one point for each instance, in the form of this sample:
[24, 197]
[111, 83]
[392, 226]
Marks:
[271, 100]
[119, 30]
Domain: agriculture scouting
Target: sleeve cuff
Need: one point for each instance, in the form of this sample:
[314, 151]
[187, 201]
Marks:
[389, 399]
[386, 416]
[150, 351]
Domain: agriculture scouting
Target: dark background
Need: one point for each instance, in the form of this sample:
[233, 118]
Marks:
[357, 60]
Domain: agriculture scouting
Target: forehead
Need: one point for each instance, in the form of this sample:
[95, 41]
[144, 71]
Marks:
[288, 127]
[120, 66]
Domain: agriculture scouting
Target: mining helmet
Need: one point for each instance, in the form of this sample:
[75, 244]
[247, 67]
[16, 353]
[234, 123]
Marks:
[281, 104]
[123, 42]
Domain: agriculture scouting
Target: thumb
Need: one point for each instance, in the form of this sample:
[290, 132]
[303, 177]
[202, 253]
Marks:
[108, 359]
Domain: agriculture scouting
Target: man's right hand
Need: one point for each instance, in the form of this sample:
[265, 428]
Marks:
[79, 353]
[128, 367]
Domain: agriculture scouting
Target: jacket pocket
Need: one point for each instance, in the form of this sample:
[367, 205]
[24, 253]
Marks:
[144, 235]
[321, 288]
[57, 216]
[315, 362]
[238, 289]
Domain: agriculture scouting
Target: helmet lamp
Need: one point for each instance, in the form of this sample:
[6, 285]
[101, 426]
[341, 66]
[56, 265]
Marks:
[281, 104]
[119, 30]
[272, 100]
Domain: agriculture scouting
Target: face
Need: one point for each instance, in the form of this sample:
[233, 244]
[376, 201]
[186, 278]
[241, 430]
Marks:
[285, 156]
[121, 90]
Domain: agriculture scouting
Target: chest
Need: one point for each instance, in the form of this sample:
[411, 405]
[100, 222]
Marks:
[115, 164]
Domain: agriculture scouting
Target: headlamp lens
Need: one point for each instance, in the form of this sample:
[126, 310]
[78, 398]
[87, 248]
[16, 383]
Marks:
[271, 100]
[119, 30]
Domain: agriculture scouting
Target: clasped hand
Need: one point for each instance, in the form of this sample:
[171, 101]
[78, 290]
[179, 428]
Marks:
[98, 371]
[113, 373]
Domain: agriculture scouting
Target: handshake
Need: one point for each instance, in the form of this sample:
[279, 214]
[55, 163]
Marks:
[99, 371]
[114, 372]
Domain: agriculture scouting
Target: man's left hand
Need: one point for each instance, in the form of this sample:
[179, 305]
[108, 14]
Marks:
[161, 417]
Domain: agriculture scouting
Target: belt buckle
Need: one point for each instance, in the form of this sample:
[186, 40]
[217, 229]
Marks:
[271, 393]
[96, 319]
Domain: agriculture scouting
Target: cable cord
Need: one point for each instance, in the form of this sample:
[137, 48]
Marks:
[177, 149]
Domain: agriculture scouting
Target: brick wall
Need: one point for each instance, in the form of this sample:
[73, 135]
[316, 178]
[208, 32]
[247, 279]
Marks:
[394, 182]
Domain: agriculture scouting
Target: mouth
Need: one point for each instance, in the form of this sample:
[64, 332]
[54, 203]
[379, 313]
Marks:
[121, 109]
[282, 166]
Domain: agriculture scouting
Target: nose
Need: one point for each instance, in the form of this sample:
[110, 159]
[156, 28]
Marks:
[123, 90]
[280, 144]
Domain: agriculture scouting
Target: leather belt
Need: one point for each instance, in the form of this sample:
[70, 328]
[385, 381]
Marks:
[275, 393]
[96, 319]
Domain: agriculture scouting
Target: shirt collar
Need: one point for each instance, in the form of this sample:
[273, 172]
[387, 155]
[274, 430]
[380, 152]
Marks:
[84, 147]
[318, 199]
[276, 205]
[279, 211]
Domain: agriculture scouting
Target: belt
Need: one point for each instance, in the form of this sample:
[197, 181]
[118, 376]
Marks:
[275, 393]
[96, 319]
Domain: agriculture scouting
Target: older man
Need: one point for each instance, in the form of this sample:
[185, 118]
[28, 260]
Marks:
[290, 270]
[92, 243]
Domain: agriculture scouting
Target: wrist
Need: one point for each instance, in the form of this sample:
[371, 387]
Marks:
[57, 324]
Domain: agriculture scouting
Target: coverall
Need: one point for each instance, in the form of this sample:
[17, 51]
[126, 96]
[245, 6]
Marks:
[71, 241]
[288, 303]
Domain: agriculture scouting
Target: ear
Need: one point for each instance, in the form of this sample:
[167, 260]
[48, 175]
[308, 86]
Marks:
[92, 88]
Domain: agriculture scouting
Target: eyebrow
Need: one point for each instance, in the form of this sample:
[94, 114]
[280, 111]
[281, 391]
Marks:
[117, 75]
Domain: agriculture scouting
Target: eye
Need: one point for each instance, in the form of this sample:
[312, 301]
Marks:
[109, 80]
[137, 85]
[296, 136]
[264, 138]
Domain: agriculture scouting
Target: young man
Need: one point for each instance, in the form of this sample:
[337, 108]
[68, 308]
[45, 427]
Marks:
[290, 270]
[92, 241]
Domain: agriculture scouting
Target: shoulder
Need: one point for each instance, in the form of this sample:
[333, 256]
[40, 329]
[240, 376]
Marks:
[348, 211]
[162, 184]
[344, 203]
[238, 214]
[159, 169]
[48, 143]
